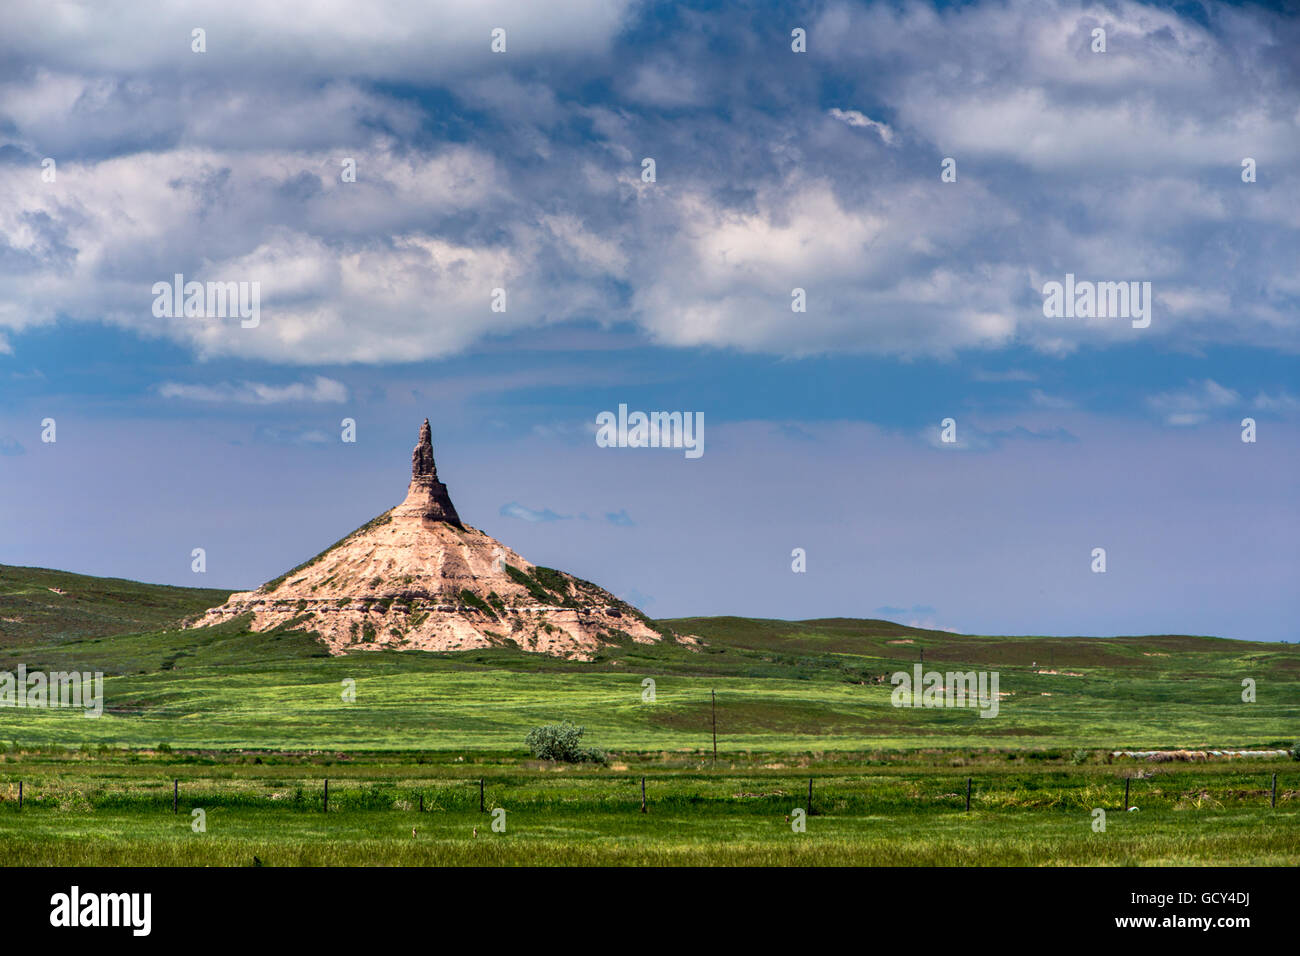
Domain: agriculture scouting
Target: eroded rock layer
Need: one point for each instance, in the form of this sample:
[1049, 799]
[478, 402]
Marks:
[416, 577]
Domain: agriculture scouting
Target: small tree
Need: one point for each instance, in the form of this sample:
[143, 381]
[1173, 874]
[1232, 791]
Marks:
[562, 741]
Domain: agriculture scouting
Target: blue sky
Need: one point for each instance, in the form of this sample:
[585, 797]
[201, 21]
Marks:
[522, 170]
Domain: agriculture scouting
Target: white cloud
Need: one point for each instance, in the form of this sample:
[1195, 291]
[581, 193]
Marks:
[225, 166]
[1280, 401]
[349, 274]
[1165, 91]
[1195, 404]
[1043, 400]
[386, 39]
[871, 283]
[862, 121]
[515, 510]
[666, 85]
[318, 389]
[966, 438]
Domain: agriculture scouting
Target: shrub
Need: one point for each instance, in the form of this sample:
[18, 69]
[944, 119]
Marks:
[1295, 751]
[471, 599]
[551, 579]
[538, 593]
[562, 741]
[1079, 756]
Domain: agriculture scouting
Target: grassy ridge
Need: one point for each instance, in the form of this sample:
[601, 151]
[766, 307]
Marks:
[820, 685]
[31, 612]
[251, 724]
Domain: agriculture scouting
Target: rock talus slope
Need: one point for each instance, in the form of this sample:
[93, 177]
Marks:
[417, 578]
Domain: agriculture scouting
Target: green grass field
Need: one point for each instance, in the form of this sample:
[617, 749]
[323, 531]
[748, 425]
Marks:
[252, 724]
[907, 810]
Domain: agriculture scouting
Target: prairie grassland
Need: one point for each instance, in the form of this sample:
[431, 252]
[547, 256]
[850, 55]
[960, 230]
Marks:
[224, 688]
[252, 724]
[88, 810]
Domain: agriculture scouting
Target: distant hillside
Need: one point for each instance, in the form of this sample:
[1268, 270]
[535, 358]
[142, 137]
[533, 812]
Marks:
[40, 606]
[845, 638]
[33, 614]
[780, 685]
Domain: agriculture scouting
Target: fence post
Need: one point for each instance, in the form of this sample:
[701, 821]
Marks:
[968, 794]
[327, 795]
[1274, 804]
[20, 794]
[714, 695]
[481, 806]
[421, 803]
[176, 793]
[810, 806]
[1127, 780]
[643, 794]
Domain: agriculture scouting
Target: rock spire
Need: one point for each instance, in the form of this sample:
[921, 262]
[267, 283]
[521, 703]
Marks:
[416, 578]
[427, 497]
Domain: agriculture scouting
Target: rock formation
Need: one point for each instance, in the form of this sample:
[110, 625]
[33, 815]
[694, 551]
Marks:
[417, 578]
[427, 496]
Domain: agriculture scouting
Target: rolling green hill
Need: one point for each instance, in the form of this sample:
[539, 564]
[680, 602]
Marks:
[38, 605]
[246, 726]
[818, 685]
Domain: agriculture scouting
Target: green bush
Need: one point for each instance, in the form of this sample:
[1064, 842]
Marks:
[563, 742]
[538, 593]
[1079, 756]
[469, 598]
[551, 579]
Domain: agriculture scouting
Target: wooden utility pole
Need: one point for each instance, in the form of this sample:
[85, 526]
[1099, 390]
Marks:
[968, 794]
[714, 695]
